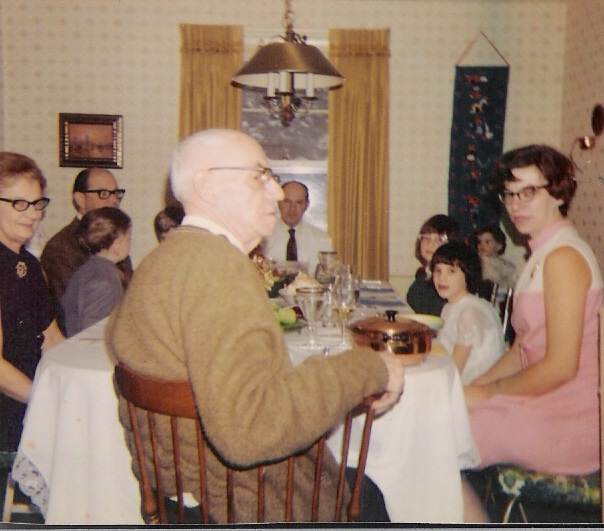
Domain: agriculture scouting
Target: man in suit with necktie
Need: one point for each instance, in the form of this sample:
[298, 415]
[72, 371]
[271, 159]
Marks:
[293, 238]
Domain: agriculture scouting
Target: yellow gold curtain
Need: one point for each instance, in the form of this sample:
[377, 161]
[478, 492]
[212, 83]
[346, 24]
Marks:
[210, 55]
[357, 191]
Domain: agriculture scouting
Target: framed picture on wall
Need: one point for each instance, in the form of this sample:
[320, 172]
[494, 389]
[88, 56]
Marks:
[91, 140]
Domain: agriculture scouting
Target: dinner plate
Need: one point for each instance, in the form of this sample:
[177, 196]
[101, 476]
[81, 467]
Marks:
[434, 322]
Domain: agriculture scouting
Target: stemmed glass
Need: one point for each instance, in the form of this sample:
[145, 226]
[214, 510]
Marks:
[310, 300]
[343, 299]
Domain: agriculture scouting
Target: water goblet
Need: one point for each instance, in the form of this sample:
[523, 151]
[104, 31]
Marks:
[344, 301]
[310, 300]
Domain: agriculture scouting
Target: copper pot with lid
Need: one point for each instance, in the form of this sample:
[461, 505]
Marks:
[397, 335]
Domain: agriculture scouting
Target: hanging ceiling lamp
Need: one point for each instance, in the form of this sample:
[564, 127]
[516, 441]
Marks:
[281, 67]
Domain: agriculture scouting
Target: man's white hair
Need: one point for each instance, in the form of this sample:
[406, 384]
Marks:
[190, 156]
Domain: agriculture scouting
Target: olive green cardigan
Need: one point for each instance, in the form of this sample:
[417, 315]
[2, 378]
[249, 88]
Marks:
[196, 308]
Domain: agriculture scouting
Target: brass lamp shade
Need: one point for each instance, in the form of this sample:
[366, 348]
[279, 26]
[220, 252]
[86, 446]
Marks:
[296, 58]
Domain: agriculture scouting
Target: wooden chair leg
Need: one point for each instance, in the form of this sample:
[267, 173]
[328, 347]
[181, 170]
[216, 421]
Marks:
[9, 496]
[10, 507]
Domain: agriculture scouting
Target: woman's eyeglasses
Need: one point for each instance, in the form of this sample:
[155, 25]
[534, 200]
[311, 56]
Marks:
[105, 194]
[524, 194]
[21, 205]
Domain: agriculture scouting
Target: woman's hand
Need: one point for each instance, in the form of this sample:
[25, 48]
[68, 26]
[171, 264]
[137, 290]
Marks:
[475, 394]
[52, 336]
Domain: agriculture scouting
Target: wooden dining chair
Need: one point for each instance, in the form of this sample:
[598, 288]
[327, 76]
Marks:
[487, 289]
[506, 314]
[11, 507]
[175, 399]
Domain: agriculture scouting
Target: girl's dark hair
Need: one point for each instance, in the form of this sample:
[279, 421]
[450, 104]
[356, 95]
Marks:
[463, 256]
[99, 228]
[439, 224]
[496, 232]
[557, 169]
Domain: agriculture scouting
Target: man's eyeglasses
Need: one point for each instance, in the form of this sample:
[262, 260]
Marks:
[433, 238]
[524, 194]
[21, 205]
[264, 174]
[106, 194]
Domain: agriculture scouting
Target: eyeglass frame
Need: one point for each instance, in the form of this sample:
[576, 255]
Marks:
[524, 195]
[14, 202]
[118, 193]
[424, 237]
[264, 171]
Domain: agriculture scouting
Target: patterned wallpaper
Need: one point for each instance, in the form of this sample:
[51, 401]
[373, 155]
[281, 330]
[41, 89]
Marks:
[122, 57]
[584, 88]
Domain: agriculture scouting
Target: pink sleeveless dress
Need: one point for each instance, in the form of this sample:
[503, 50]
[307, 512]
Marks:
[557, 432]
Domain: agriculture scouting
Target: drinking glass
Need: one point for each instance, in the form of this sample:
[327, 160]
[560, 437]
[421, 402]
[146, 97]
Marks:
[310, 300]
[343, 299]
[325, 272]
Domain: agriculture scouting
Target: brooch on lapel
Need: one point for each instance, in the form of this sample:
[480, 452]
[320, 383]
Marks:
[21, 269]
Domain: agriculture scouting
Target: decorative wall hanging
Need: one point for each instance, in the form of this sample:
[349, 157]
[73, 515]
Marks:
[476, 142]
[87, 140]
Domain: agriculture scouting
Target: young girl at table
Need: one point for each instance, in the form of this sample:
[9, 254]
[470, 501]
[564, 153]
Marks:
[96, 287]
[472, 334]
[435, 231]
[490, 243]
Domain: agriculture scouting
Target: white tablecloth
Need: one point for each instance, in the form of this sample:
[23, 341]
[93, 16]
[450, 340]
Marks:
[72, 459]
[417, 448]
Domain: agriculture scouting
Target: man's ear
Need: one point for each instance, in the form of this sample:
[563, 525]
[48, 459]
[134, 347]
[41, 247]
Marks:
[204, 187]
[79, 201]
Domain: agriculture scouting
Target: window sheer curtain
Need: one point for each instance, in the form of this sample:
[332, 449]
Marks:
[357, 190]
[210, 55]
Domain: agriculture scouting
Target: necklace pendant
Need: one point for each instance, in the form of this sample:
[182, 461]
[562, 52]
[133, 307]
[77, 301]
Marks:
[21, 269]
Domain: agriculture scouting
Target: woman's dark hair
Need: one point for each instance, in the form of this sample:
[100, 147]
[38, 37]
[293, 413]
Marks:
[167, 219]
[463, 256]
[15, 165]
[99, 228]
[439, 224]
[494, 230]
[557, 169]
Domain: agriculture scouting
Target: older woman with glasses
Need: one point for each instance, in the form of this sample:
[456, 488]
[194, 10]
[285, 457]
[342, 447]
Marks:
[538, 406]
[27, 312]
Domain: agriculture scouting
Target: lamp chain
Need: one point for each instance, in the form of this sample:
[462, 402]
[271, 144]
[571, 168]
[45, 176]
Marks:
[288, 19]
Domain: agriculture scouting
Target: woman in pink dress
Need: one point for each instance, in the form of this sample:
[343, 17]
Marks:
[537, 407]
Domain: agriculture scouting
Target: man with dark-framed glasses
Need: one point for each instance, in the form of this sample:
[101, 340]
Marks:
[62, 256]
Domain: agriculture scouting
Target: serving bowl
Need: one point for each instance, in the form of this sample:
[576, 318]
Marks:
[409, 339]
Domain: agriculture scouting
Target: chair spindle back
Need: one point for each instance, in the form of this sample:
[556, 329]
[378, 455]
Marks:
[175, 400]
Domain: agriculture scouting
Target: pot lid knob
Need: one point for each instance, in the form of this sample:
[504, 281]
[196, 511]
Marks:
[391, 315]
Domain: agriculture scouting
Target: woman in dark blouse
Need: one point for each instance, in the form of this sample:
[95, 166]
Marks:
[27, 312]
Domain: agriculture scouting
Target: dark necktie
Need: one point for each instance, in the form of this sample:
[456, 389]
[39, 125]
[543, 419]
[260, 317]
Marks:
[292, 249]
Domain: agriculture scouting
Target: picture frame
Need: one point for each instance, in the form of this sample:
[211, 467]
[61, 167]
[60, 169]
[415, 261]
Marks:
[91, 140]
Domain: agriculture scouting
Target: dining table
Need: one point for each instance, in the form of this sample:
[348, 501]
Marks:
[74, 463]
[419, 447]
[72, 459]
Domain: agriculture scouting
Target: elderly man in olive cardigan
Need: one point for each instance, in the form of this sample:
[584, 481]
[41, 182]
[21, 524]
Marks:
[197, 309]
